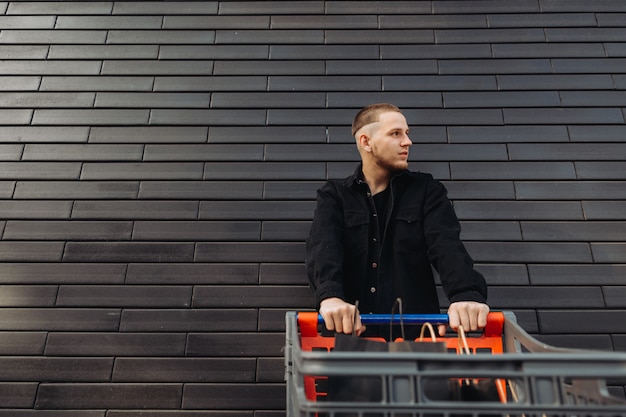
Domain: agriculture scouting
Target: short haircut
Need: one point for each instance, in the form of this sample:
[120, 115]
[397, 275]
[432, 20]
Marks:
[370, 114]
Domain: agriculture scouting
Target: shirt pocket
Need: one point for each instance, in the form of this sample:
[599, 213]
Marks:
[408, 230]
[356, 232]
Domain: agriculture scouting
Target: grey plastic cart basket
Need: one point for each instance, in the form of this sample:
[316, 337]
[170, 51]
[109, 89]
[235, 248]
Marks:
[541, 380]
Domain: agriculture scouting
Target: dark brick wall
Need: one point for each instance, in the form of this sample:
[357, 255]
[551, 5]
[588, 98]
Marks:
[159, 161]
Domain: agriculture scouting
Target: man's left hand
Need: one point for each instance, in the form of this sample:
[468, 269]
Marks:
[471, 315]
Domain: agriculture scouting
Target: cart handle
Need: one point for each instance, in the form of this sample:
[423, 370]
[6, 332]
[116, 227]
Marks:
[308, 321]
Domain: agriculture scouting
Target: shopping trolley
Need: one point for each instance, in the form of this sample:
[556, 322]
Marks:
[538, 379]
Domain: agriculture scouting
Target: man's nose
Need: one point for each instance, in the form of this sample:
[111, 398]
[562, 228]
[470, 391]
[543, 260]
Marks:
[407, 141]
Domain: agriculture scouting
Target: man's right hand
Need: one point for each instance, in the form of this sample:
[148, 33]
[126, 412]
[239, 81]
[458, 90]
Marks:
[339, 316]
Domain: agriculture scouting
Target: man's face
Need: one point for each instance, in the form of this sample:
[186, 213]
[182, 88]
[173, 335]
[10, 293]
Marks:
[389, 141]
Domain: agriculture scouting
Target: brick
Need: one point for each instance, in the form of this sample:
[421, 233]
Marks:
[615, 296]
[504, 274]
[234, 396]
[266, 171]
[542, 20]
[534, 50]
[282, 274]
[11, 152]
[184, 370]
[29, 52]
[285, 190]
[604, 210]
[152, 100]
[491, 35]
[271, 370]
[285, 231]
[357, 99]
[165, 296]
[211, 83]
[159, 8]
[19, 83]
[204, 152]
[218, 117]
[609, 252]
[266, 134]
[205, 190]
[59, 8]
[59, 319]
[114, 344]
[54, 36]
[499, 66]
[480, 190]
[378, 7]
[594, 98]
[317, 152]
[587, 65]
[580, 321]
[249, 252]
[127, 252]
[508, 134]
[173, 320]
[216, 22]
[555, 82]
[568, 190]
[82, 152]
[75, 190]
[22, 343]
[108, 22]
[574, 231]
[91, 117]
[432, 21]
[103, 52]
[440, 83]
[141, 171]
[160, 36]
[270, 68]
[374, 67]
[594, 34]
[156, 67]
[136, 210]
[43, 100]
[256, 210]
[546, 297]
[268, 100]
[458, 6]
[27, 22]
[101, 395]
[500, 99]
[67, 230]
[15, 116]
[601, 170]
[45, 67]
[616, 50]
[490, 230]
[512, 170]
[35, 209]
[148, 134]
[240, 345]
[271, 8]
[36, 296]
[57, 369]
[566, 151]
[592, 342]
[7, 189]
[192, 273]
[272, 320]
[60, 273]
[252, 296]
[379, 36]
[99, 83]
[436, 51]
[529, 252]
[325, 83]
[260, 36]
[43, 134]
[30, 251]
[324, 22]
[214, 52]
[18, 394]
[519, 210]
[197, 231]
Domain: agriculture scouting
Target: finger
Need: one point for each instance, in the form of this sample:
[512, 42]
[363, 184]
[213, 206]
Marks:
[329, 322]
[441, 329]
[347, 323]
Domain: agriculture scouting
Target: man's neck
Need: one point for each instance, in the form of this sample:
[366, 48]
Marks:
[376, 178]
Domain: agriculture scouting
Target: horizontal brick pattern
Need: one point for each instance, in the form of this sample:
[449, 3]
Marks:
[159, 162]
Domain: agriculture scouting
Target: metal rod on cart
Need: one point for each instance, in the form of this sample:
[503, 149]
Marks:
[406, 318]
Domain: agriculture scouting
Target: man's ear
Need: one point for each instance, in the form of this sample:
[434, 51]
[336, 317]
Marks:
[364, 142]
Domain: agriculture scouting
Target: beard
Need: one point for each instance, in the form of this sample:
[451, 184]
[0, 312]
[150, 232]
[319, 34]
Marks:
[392, 166]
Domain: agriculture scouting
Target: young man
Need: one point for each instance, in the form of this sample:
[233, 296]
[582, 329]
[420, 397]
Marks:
[376, 234]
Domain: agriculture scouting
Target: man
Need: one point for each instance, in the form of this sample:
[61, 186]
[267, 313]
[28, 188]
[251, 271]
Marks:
[376, 234]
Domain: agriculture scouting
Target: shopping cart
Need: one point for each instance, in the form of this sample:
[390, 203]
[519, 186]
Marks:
[539, 380]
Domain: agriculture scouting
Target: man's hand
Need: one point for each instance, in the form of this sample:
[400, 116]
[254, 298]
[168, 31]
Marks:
[339, 316]
[469, 314]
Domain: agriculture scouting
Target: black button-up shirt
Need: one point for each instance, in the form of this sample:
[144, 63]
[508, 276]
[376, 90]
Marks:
[348, 258]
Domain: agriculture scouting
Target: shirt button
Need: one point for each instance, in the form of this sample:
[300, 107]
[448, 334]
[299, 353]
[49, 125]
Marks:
[375, 240]
[374, 265]
[373, 290]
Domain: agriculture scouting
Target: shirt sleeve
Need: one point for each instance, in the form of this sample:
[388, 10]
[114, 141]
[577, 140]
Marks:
[459, 279]
[324, 247]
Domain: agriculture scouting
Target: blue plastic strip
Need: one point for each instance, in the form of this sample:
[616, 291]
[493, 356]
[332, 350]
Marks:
[406, 318]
